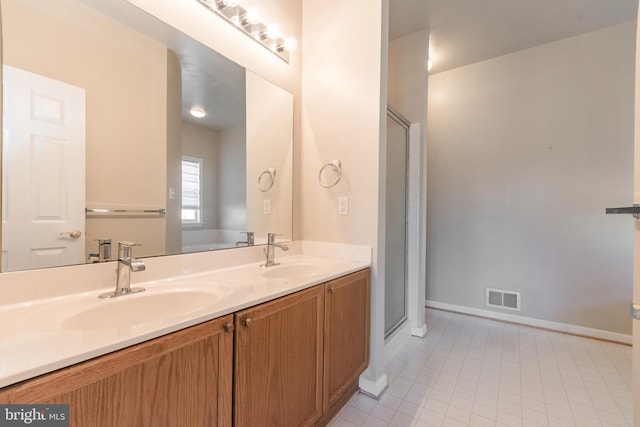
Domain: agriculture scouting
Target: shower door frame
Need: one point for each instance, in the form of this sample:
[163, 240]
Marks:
[406, 125]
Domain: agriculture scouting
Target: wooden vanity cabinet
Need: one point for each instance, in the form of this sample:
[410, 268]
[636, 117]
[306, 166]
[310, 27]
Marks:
[346, 338]
[297, 359]
[278, 362]
[180, 379]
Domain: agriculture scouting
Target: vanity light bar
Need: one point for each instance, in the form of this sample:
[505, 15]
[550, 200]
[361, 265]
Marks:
[248, 21]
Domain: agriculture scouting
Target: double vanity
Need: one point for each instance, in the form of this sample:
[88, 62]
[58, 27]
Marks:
[222, 341]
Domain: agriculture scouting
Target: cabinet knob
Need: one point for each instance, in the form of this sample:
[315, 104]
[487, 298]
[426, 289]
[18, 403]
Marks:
[332, 289]
[228, 327]
[246, 322]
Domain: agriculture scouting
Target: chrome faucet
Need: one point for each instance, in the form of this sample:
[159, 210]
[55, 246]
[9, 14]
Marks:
[250, 239]
[104, 251]
[126, 265]
[270, 251]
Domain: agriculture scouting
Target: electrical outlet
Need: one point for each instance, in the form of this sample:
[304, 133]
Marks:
[343, 205]
[266, 207]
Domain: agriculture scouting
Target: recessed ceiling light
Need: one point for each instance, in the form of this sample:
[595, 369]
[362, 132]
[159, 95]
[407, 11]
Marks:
[197, 112]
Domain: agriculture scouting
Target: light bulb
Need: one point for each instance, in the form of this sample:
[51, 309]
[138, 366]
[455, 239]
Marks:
[223, 4]
[197, 112]
[251, 17]
[290, 44]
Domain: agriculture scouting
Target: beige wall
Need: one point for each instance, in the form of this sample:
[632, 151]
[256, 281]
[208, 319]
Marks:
[408, 76]
[173, 197]
[344, 103]
[341, 120]
[525, 153]
[126, 93]
[232, 168]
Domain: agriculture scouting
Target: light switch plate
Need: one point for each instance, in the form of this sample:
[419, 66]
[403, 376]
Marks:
[266, 207]
[343, 205]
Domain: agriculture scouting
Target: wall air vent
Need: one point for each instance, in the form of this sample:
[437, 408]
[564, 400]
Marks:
[500, 298]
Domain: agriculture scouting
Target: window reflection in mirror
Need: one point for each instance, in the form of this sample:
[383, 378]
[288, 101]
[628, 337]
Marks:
[135, 131]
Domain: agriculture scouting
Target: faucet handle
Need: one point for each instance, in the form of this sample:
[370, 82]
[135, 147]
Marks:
[250, 238]
[125, 249]
[104, 249]
[271, 238]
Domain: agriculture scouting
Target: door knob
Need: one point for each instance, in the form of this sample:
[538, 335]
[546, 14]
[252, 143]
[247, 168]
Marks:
[74, 234]
[635, 311]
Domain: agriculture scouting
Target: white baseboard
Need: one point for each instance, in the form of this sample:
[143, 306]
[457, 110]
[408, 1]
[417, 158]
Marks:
[419, 332]
[373, 388]
[537, 323]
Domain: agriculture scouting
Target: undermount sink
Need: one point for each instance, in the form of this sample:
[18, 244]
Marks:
[132, 310]
[294, 271]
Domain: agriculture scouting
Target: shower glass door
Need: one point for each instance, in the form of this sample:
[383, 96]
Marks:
[395, 307]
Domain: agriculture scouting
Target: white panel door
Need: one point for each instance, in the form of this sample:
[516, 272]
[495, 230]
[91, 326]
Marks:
[43, 172]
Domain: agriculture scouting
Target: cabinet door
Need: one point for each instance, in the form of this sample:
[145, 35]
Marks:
[346, 345]
[278, 362]
[180, 379]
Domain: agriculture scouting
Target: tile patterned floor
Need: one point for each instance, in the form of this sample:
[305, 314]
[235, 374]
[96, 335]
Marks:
[470, 371]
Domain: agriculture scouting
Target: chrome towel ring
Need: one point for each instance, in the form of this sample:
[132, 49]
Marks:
[330, 174]
[266, 179]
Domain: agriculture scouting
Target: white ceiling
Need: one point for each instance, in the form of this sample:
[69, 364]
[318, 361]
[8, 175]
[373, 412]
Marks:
[463, 32]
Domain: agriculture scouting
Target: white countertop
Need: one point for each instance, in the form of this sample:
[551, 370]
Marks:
[40, 336]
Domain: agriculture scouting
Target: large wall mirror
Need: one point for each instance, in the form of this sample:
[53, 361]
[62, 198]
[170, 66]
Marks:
[99, 142]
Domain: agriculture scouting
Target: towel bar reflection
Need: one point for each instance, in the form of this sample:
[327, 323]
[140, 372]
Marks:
[125, 211]
[630, 210]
